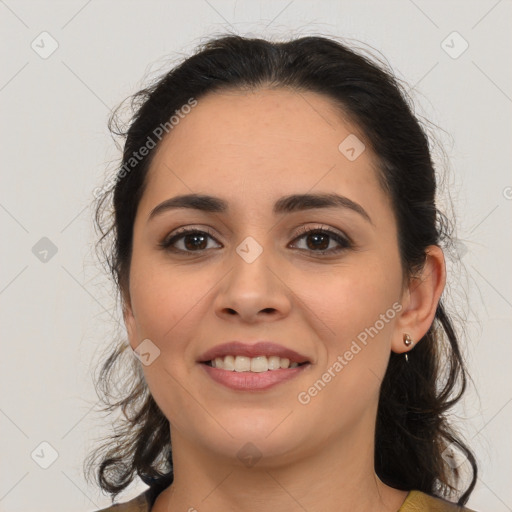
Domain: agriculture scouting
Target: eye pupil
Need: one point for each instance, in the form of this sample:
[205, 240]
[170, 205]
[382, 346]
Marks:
[197, 237]
[318, 237]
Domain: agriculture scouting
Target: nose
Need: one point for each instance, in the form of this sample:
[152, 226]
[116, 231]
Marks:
[253, 291]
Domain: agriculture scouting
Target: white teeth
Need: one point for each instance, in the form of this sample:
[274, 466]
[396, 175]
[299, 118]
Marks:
[257, 364]
[274, 363]
[242, 364]
[229, 363]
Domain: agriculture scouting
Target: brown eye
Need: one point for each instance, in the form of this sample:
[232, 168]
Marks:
[187, 240]
[323, 241]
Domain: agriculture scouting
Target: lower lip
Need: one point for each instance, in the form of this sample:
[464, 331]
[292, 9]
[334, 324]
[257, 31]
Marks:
[252, 381]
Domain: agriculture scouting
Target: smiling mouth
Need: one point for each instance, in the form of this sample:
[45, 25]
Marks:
[258, 364]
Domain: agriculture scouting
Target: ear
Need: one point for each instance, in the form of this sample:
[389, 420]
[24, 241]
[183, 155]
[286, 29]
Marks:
[129, 322]
[420, 300]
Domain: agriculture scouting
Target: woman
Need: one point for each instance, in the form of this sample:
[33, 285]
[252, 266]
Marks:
[277, 249]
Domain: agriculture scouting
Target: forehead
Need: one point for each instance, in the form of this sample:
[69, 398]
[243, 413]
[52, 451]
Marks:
[261, 145]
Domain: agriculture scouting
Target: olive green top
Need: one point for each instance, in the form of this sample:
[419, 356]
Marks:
[416, 501]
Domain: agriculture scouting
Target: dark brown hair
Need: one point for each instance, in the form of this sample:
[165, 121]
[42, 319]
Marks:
[412, 430]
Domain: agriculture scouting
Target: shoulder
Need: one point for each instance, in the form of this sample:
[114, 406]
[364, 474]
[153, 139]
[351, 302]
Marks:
[140, 503]
[417, 501]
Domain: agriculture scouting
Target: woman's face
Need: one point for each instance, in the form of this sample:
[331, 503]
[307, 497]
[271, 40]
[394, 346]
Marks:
[253, 274]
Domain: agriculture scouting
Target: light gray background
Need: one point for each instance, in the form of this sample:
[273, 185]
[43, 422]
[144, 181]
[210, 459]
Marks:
[57, 315]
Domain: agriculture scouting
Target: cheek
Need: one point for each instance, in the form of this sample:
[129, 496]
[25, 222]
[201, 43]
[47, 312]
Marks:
[166, 305]
[162, 299]
[356, 306]
[345, 301]
[360, 312]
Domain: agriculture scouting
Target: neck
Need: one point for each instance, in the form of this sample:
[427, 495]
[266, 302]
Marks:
[338, 476]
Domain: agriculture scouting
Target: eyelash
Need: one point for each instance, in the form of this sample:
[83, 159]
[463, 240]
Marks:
[344, 242]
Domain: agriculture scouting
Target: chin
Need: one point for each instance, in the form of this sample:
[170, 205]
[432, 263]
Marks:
[252, 437]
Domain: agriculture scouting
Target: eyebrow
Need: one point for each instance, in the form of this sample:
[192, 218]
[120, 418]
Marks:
[286, 204]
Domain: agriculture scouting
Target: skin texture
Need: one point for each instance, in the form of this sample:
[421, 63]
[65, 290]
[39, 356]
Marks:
[250, 149]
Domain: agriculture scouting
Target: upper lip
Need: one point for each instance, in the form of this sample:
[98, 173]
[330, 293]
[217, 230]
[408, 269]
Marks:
[260, 348]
